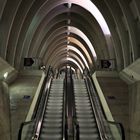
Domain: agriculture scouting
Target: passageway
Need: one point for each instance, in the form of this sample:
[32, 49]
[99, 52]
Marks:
[100, 36]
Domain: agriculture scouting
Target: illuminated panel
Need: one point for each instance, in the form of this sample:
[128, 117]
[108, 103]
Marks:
[77, 51]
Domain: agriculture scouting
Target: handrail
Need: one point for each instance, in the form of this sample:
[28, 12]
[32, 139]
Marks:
[120, 126]
[73, 125]
[40, 96]
[40, 116]
[64, 134]
[69, 99]
[21, 128]
[98, 118]
[117, 123]
[76, 128]
[87, 74]
[34, 116]
[74, 119]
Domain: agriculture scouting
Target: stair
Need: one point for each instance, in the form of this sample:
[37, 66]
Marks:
[52, 122]
[87, 125]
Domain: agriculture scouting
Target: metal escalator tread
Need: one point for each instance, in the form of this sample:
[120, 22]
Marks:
[85, 117]
[52, 122]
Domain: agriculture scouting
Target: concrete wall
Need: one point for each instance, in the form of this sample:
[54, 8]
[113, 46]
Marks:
[4, 112]
[134, 101]
[131, 75]
[7, 75]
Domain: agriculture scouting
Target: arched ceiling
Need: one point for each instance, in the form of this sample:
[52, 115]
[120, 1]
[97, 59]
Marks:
[69, 32]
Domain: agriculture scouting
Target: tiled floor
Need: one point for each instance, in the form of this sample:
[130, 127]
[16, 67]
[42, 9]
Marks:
[21, 94]
[116, 94]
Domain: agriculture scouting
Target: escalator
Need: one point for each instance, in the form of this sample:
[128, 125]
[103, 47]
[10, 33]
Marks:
[69, 109]
[53, 117]
[87, 124]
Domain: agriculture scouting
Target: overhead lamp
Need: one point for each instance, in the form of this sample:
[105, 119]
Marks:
[68, 33]
[69, 5]
[69, 21]
[5, 75]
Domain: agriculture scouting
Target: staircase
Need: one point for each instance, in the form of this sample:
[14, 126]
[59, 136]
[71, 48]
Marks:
[53, 118]
[87, 124]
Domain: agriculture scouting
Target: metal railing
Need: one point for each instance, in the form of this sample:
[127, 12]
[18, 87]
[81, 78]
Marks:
[34, 123]
[76, 129]
[64, 129]
[41, 112]
[102, 122]
[99, 119]
[73, 128]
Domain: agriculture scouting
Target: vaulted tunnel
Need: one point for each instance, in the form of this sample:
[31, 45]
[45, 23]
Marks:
[102, 36]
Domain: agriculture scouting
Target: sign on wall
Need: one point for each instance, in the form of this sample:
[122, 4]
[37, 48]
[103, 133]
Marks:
[33, 63]
[107, 64]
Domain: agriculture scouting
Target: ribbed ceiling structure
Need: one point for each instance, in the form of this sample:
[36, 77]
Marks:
[70, 32]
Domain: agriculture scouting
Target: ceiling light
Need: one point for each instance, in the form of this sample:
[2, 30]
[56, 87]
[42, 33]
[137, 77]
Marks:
[5, 75]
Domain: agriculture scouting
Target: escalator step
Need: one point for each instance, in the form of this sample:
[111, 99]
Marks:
[51, 130]
[88, 131]
[55, 101]
[83, 108]
[55, 104]
[81, 98]
[85, 111]
[51, 125]
[56, 108]
[53, 111]
[84, 116]
[89, 120]
[48, 120]
[82, 104]
[50, 137]
[89, 137]
[87, 125]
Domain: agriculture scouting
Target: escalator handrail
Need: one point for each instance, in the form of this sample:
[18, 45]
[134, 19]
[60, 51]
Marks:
[98, 118]
[74, 119]
[77, 129]
[120, 126]
[111, 122]
[42, 92]
[49, 72]
[75, 125]
[64, 134]
[21, 128]
[41, 113]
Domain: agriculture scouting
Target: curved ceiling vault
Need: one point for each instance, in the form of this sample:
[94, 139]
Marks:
[68, 32]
